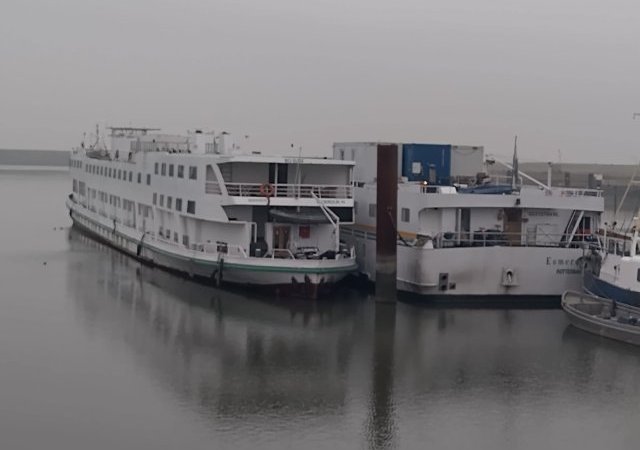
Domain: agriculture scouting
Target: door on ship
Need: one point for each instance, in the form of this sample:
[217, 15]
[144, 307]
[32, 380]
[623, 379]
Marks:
[281, 235]
[512, 225]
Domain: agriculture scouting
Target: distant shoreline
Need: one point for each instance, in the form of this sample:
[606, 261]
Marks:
[30, 158]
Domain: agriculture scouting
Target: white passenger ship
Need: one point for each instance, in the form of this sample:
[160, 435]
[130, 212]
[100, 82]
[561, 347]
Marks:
[198, 205]
[462, 234]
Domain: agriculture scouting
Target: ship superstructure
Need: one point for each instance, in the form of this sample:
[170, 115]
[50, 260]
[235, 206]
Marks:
[200, 204]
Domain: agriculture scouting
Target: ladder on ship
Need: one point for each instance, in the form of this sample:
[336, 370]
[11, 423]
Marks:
[572, 227]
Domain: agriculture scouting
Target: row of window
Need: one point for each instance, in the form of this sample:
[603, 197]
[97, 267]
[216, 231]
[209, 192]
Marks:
[75, 163]
[117, 202]
[118, 174]
[159, 200]
[405, 213]
[164, 169]
[129, 205]
[167, 235]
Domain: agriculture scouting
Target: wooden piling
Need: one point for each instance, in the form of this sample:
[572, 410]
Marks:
[386, 216]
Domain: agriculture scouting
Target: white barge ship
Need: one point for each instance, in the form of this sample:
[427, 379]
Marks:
[198, 205]
[462, 234]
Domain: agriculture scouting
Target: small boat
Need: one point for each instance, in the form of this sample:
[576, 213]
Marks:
[602, 316]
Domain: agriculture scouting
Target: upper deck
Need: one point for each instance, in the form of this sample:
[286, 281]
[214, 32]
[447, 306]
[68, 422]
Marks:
[214, 172]
[533, 197]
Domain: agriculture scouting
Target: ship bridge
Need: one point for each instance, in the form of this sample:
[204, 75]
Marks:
[255, 180]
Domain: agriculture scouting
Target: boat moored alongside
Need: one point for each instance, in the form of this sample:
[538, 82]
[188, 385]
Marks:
[466, 235]
[602, 317]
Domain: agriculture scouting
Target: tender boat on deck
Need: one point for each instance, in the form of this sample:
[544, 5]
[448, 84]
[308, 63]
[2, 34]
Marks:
[602, 316]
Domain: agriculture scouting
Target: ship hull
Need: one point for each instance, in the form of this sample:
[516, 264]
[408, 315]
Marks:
[597, 286]
[479, 273]
[303, 278]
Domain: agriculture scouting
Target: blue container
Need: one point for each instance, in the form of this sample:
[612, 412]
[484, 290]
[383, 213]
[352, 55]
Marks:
[418, 160]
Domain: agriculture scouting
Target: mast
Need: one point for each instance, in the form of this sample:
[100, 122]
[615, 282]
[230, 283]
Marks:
[514, 170]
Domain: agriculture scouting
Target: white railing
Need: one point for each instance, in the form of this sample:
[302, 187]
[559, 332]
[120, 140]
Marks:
[282, 190]
[220, 247]
[573, 192]
[281, 253]
[212, 187]
[489, 238]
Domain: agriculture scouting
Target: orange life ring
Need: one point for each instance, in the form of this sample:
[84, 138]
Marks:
[266, 189]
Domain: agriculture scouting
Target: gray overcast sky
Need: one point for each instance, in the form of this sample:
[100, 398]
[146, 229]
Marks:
[562, 74]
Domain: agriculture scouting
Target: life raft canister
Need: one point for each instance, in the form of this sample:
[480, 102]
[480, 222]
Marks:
[266, 189]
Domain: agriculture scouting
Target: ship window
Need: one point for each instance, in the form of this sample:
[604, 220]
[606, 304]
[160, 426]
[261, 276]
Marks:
[405, 214]
[193, 172]
[178, 204]
[130, 176]
[119, 174]
[175, 236]
[304, 231]
[169, 202]
[170, 170]
[161, 200]
[75, 185]
[191, 207]
[638, 275]
[163, 169]
[167, 234]
[160, 232]
[148, 179]
[372, 209]
[139, 178]
[155, 168]
[185, 240]
[180, 171]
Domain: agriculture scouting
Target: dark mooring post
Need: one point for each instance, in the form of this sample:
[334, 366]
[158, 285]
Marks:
[386, 214]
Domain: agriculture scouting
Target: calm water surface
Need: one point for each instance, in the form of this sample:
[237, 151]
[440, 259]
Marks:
[98, 352]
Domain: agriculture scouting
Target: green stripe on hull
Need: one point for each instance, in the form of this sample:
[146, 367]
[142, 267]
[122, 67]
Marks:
[229, 265]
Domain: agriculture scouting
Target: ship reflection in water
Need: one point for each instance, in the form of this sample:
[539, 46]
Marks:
[346, 373]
